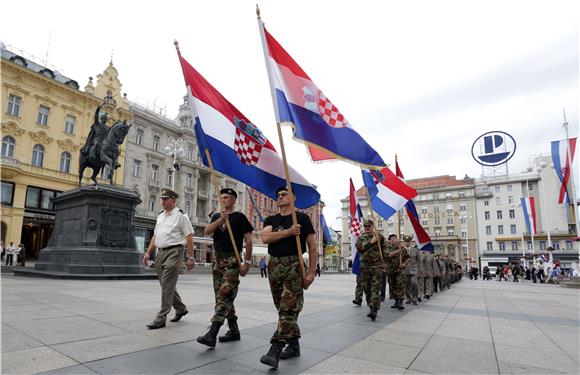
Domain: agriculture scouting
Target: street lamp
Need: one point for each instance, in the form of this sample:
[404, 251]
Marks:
[539, 167]
[466, 252]
[175, 149]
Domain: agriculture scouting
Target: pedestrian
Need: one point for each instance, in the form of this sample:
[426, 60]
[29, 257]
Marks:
[397, 260]
[173, 230]
[436, 274]
[527, 274]
[515, 273]
[318, 269]
[541, 273]
[533, 274]
[360, 289]
[411, 270]
[10, 250]
[225, 269]
[263, 270]
[21, 255]
[371, 244]
[287, 283]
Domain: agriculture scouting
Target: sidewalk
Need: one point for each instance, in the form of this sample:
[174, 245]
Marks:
[98, 327]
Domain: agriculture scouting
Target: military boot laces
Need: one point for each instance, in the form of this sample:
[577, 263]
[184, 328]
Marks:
[273, 356]
[233, 334]
[292, 350]
[209, 338]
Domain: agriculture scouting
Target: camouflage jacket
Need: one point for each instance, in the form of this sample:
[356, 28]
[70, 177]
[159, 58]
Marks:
[369, 253]
[393, 263]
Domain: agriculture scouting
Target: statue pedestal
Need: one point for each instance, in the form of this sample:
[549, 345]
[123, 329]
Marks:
[92, 237]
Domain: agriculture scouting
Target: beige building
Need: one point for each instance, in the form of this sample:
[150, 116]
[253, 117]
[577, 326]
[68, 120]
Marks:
[45, 119]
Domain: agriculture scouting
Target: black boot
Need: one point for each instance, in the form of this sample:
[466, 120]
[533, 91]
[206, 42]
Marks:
[234, 332]
[395, 305]
[292, 350]
[273, 356]
[209, 338]
[372, 314]
[357, 302]
[401, 307]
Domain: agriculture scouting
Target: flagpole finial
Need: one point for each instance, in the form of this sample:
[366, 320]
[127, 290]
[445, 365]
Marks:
[176, 44]
[258, 11]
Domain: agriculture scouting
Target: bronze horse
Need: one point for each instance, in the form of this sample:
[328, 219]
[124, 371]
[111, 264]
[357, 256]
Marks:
[109, 153]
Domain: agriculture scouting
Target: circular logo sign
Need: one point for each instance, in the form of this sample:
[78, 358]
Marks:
[493, 148]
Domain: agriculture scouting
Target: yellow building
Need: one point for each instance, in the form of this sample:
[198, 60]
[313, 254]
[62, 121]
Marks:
[45, 119]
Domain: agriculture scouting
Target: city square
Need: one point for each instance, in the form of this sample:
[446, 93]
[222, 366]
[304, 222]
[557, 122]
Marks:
[184, 146]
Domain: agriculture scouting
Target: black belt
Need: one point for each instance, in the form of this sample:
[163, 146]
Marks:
[169, 247]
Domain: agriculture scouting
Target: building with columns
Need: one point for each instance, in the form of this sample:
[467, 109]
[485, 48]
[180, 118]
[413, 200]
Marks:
[45, 120]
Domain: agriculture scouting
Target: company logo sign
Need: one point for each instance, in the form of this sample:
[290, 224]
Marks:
[493, 148]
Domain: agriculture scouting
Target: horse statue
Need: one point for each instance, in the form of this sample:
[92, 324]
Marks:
[108, 155]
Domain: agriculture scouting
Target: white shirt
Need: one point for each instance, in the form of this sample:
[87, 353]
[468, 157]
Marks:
[10, 249]
[172, 228]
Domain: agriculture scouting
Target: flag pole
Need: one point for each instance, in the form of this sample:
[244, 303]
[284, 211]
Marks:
[399, 224]
[571, 178]
[217, 187]
[282, 149]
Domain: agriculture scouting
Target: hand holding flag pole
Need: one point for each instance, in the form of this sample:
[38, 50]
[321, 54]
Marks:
[375, 228]
[217, 187]
[399, 225]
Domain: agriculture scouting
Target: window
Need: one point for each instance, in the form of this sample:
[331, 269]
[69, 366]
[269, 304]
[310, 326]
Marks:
[437, 221]
[513, 229]
[169, 177]
[13, 105]
[569, 245]
[449, 220]
[156, 143]
[188, 208]
[46, 202]
[37, 155]
[69, 124]
[511, 199]
[512, 214]
[7, 193]
[423, 210]
[556, 245]
[32, 197]
[497, 188]
[486, 215]
[463, 234]
[189, 180]
[500, 229]
[448, 195]
[499, 215]
[486, 203]
[449, 208]
[435, 208]
[501, 245]
[450, 232]
[498, 201]
[155, 172]
[486, 189]
[489, 246]
[42, 118]
[463, 207]
[65, 162]
[530, 186]
[424, 222]
[39, 198]
[488, 229]
[190, 153]
[461, 194]
[542, 245]
[139, 137]
[462, 219]
[437, 233]
[509, 188]
[152, 200]
[514, 245]
[529, 244]
[136, 168]
[8, 145]
[435, 196]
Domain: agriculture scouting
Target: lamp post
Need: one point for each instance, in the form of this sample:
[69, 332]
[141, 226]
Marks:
[466, 252]
[175, 149]
[539, 167]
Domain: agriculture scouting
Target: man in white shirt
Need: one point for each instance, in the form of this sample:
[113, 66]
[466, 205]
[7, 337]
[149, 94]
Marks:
[172, 231]
[10, 253]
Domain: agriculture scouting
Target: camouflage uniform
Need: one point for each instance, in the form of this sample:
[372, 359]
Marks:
[226, 279]
[285, 280]
[371, 267]
[395, 273]
[360, 289]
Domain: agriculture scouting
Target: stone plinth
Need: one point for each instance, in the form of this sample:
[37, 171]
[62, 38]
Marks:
[92, 236]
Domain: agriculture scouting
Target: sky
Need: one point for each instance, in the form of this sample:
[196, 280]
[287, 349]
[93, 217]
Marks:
[422, 79]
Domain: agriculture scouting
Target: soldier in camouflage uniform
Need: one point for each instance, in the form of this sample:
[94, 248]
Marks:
[397, 259]
[360, 290]
[371, 265]
[226, 273]
[284, 274]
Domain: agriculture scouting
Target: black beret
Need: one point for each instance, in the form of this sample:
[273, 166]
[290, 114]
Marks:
[229, 191]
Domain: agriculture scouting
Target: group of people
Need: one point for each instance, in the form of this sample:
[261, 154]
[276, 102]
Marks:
[284, 269]
[11, 250]
[412, 274]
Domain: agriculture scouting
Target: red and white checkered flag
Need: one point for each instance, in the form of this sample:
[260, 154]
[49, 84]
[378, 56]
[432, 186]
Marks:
[330, 113]
[355, 227]
[247, 148]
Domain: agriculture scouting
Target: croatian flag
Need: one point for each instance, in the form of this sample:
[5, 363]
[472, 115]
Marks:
[316, 121]
[561, 165]
[529, 214]
[422, 239]
[388, 193]
[355, 228]
[237, 147]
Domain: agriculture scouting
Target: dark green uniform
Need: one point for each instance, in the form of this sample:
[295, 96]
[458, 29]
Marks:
[226, 272]
[395, 273]
[285, 276]
[371, 266]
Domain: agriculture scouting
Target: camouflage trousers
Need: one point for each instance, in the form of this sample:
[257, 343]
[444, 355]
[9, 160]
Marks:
[397, 284]
[360, 289]
[371, 280]
[226, 279]
[285, 280]
[412, 287]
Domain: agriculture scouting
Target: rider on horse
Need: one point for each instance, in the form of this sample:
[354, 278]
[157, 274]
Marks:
[97, 135]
